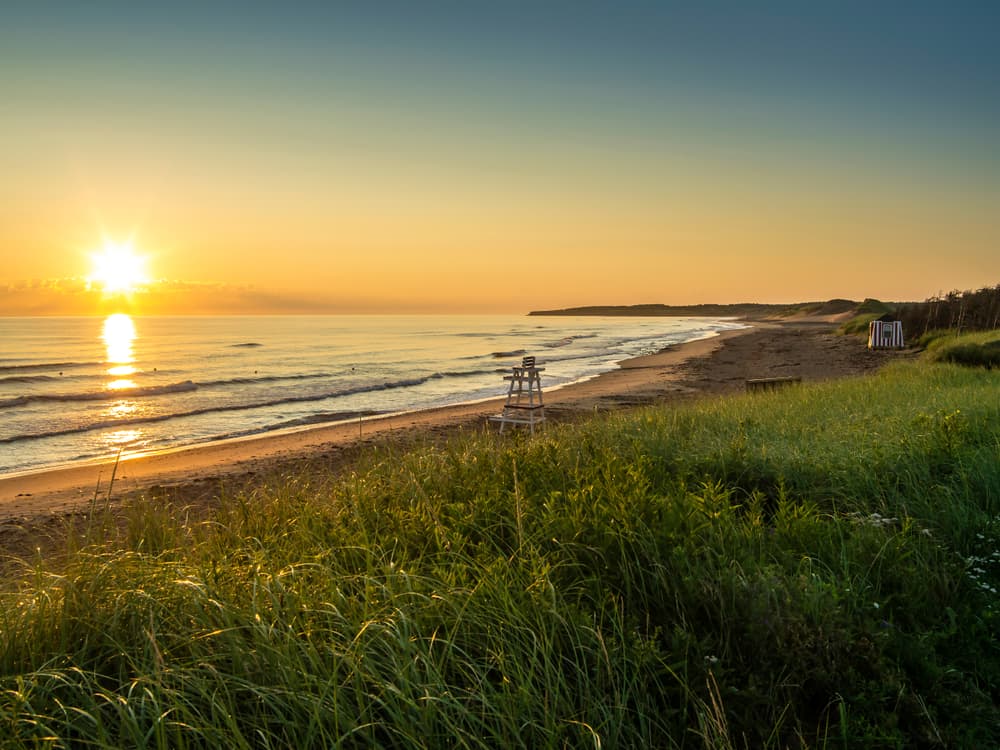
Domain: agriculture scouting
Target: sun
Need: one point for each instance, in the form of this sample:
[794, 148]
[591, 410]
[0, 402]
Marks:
[118, 268]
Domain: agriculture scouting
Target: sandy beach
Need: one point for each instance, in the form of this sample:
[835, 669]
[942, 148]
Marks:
[809, 350]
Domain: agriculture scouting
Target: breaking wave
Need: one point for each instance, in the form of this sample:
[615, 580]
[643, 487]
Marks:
[138, 392]
[42, 366]
[219, 408]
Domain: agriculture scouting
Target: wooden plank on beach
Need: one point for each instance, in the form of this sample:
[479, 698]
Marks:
[771, 384]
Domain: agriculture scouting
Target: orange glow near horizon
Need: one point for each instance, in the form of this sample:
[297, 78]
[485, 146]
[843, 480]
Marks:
[649, 155]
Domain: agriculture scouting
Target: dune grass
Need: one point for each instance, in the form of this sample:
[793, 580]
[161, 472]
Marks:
[858, 324]
[816, 567]
[981, 349]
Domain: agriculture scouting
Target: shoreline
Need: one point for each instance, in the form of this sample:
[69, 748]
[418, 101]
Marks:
[85, 418]
[708, 366]
[65, 489]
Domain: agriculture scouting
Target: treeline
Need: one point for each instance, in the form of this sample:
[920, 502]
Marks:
[961, 311]
[744, 309]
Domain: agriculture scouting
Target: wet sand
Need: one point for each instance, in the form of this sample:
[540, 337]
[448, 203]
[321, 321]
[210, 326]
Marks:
[811, 351]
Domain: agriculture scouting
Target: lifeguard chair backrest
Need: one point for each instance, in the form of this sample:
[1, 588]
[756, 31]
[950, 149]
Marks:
[527, 361]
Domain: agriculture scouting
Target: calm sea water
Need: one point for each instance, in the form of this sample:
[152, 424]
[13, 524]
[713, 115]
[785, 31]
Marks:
[77, 389]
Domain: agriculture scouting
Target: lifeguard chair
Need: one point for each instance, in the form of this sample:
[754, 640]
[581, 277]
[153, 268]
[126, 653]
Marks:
[524, 404]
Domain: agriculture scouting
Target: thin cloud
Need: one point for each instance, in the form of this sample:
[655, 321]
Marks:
[75, 296]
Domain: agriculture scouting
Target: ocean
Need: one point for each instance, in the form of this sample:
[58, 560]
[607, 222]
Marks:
[80, 389]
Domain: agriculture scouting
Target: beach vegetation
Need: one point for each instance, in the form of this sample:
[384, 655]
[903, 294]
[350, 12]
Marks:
[961, 311]
[872, 306]
[955, 312]
[815, 567]
[836, 306]
[980, 349]
[857, 325]
[864, 313]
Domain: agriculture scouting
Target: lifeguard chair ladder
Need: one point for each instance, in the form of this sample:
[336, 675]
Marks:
[524, 397]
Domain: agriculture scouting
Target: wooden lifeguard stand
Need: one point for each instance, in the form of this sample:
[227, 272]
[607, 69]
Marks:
[524, 397]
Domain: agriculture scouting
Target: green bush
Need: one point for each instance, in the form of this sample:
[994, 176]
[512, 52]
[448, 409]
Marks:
[929, 338]
[971, 350]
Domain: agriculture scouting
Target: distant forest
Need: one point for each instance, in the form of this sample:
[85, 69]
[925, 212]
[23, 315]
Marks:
[737, 310]
[962, 311]
[657, 310]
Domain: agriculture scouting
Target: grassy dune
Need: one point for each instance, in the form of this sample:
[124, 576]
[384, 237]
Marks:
[811, 568]
[981, 349]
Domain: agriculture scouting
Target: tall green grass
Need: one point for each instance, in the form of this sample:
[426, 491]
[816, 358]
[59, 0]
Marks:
[816, 567]
[980, 349]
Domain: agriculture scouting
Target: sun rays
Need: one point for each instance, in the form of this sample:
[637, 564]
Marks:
[117, 268]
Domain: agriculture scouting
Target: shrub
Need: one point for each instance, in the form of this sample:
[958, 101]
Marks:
[970, 350]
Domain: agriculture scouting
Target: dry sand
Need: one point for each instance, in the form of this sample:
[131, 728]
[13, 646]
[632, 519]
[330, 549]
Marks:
[32, 503]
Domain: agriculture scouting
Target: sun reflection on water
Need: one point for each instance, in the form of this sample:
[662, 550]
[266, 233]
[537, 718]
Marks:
[118, 335]
[121, 438]
[121, 410]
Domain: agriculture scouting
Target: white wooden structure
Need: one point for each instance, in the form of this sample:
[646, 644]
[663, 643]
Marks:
[885, 334]
[524, 404]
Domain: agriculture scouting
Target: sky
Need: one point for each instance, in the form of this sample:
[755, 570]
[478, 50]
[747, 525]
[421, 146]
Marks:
[396, 157]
